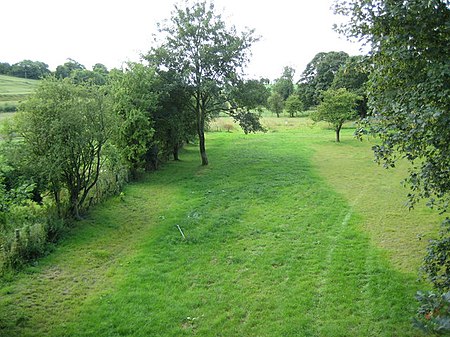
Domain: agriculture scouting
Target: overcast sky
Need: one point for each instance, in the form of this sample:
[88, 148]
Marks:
[114, 31]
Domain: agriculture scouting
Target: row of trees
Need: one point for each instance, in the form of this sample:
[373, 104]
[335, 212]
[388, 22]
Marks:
[82, 139]
[38, 70]
[333, 83]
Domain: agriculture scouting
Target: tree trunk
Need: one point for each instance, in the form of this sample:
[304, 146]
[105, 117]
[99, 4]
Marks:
[175, 152]
[201, 133]
[201, 136]
[74, 208]
[338, 130]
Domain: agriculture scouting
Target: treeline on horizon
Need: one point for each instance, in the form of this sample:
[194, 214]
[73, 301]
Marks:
[37, 70]
[327, 70]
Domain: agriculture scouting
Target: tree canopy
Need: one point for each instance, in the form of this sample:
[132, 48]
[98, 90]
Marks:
[28, 69]
[65, 127]
[409, 104]
[337, 107]
[209, 57]
[285, 84]
[319, 75]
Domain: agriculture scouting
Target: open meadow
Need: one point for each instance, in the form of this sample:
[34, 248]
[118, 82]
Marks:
[13, 90]
[287, 233]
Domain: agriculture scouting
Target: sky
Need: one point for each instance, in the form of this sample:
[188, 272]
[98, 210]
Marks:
[115, 31]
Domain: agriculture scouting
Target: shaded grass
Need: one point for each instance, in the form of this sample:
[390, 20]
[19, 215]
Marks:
[270, 250]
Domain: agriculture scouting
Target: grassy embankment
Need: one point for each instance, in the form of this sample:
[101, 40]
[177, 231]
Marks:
[287, 234]
[13, 90]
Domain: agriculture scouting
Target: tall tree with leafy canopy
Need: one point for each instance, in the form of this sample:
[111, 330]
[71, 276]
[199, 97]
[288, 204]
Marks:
[353, 76]
[172, 123]
[135, 100]
[409, 103]
[319, 75]
[285, 84]
[198, 45]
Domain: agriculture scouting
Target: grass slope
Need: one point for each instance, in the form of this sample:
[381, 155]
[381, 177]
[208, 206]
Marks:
[14, 89]
[271, 249]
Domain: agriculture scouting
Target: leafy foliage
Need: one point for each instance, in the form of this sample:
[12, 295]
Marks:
[337, 107]
[433, 316]
[409, 86]
[28, 69]
[285, 84]
[134, 101]
[319, 75]
[294, 105]
[65, 127]
[207, 55]
[276, 103]
[250, 94]
[354, 75]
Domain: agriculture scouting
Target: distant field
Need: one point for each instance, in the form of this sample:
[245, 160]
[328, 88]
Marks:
[14, 89]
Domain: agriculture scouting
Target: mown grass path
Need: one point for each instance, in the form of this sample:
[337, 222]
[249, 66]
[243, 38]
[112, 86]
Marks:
[270, 250]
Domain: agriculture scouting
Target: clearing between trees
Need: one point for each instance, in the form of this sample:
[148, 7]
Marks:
[287, 233]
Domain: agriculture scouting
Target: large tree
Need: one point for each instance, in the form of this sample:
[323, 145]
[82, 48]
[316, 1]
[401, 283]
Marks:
[409, 90]
[275, 103]
[66, 69]
[319, 75]
[294, 105]
[29, 69]
[134, 101]
[198, 45]
[353, 76]
[285, 84]
[65, 127]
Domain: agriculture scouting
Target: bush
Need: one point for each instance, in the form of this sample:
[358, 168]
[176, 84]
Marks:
[8, 107]
[433, 316]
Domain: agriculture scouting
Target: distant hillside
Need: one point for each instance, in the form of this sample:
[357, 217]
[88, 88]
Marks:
[13, 90]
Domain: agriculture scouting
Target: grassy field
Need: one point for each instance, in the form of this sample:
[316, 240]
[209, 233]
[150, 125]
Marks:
[287, 234]
[14, 89]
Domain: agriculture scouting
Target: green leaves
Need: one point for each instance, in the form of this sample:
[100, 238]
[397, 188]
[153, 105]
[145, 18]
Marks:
[65, 126]
[208, 56]
[409, 87]
[337, 107]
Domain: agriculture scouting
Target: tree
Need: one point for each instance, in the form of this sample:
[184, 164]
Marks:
[172, 119]
[319, 75]
[134, 101]
[29, 69]
[409, 107]
[275, 103]
[294, 105]
[65, 127]
[4, 68]
[337, 107]
[251, 94]
[354, 75]
[209, 56]
[285, 84]
[100, 68]
[66, 69]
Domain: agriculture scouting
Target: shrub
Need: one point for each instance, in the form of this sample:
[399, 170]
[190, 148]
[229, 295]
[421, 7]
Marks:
[433, 316]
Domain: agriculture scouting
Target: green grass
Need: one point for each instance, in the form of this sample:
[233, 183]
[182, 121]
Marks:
[278, 243]
[14, 89]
